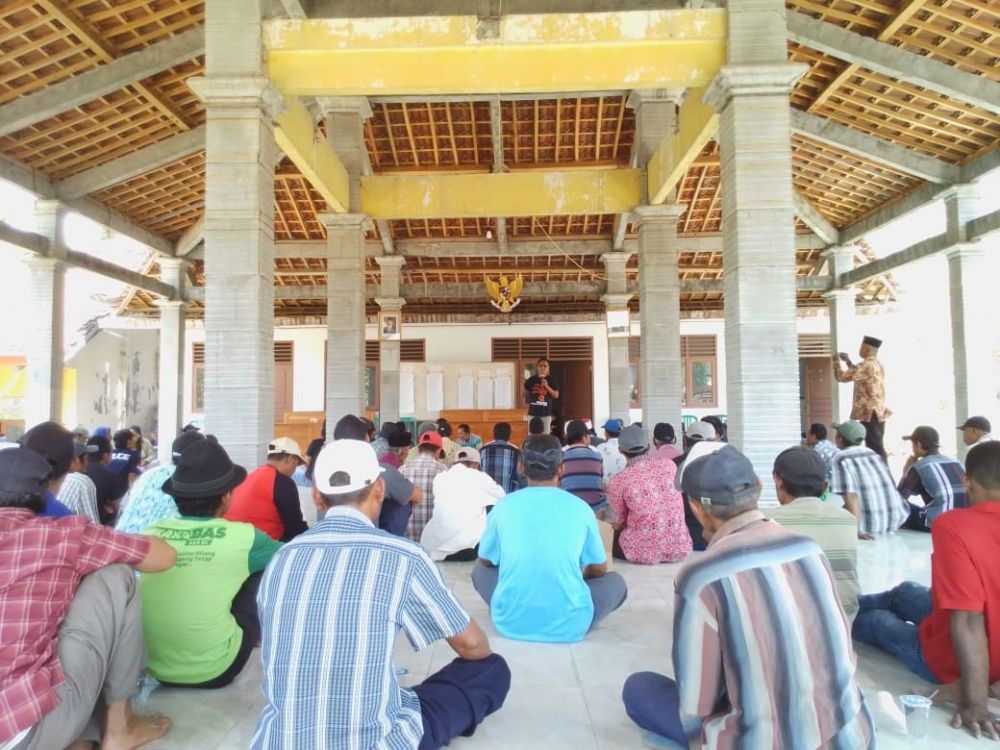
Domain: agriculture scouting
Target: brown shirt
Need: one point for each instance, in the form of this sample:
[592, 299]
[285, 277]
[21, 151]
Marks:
[868, 377]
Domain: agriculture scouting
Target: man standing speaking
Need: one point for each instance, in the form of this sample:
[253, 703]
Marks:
[541, 390]
[869, 390]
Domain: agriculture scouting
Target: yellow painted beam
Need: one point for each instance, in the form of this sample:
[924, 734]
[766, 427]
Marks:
[697, 124]
[297, 136]
[440, 196]
[521, 53]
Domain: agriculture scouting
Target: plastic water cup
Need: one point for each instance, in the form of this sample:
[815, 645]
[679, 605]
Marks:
[917, 712]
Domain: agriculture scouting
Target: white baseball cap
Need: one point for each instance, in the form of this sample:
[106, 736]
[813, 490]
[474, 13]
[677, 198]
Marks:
[352, 462]
[468, 454]
[286, 445]
[698, 450]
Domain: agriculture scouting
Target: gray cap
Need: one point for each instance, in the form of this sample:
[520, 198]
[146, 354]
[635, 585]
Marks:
[725, 477]
[633, 439]
[700, 431]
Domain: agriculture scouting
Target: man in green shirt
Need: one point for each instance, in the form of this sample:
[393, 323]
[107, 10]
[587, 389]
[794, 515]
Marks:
[200, 617]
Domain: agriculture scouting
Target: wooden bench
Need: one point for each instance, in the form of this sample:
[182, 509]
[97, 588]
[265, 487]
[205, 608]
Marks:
[481, 422]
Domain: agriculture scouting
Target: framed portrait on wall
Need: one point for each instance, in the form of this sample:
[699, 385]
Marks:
[390, 326]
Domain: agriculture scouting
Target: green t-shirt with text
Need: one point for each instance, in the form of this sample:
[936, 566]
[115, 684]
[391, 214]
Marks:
[191, 635]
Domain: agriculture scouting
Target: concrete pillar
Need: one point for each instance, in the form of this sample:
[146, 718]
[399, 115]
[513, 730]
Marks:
[240, 156]
[345, 316]
[972, 319]
[345, 132]
[758, 233]
[44, 353]
[660, 310]
[171, 376]
[617, 298]
[843, 325]
[389, 302]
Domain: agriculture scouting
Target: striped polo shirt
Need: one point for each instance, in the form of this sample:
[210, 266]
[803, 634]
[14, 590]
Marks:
[583, 475]
[835, 530]
[762, 650]
[331, 604]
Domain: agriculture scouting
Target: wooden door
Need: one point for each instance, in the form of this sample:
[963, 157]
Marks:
[817, 377]
[282, 390]
[576, 390]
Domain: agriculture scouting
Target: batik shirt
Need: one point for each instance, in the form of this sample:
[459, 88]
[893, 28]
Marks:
[644, 501]
[868, 377]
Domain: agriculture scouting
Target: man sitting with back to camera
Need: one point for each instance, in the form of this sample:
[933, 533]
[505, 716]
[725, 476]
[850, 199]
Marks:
[543, 569]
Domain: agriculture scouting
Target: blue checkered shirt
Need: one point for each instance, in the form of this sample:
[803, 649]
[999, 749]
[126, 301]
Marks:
[499, 460]
[331, 604]
[863, 472]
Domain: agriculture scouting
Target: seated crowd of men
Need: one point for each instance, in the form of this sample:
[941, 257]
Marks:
[767, 613]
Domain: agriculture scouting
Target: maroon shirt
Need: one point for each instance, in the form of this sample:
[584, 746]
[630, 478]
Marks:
[42, 561]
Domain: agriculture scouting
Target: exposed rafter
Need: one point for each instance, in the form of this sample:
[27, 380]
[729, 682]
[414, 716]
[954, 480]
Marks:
[105, 53]
[872, 148]
[39, 245]
[296, 135]
[34, 182]
[496, 131]
[192, 237]
[894, 62]
[93, 84]
[132, 165]
[812, 218]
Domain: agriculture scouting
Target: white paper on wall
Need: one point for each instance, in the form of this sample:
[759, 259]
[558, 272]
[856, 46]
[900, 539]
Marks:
[435, 390]
[484, 390]
[502, 385]
[407, 407]
[465, 394]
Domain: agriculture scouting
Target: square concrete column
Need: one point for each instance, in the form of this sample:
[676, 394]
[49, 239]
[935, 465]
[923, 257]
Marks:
[758, 234]
[617, 298]
[44, 397]
[843, 324]
[389, 302]
[44, 350]
[345, 316]
[239, 262]
[660, 311]
[973, 320]
[171, 376]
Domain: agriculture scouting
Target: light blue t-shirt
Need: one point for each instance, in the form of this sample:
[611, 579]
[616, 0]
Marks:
[540, 538]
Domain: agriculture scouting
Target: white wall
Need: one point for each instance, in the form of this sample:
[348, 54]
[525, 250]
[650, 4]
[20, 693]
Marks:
[117, 379]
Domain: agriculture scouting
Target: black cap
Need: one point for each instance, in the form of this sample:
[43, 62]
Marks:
[542, 452]
[872, 341]
[400, 438]
[182, 441]
[204, 470]
[54, 442]
[664, 432]
[925, 435]
[977, 423]
[350, 427]
[100, 444]
[23, 472]
[800, 466]
[80, 449]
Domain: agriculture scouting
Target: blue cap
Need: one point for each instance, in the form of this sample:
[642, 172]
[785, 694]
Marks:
[614, 426]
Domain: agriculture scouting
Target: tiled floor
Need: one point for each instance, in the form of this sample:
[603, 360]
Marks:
[569, 696]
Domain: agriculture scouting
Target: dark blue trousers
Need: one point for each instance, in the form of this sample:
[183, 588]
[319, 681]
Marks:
[652, 702]
[455, 700]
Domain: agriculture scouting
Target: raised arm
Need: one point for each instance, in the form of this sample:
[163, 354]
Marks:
[968, 635]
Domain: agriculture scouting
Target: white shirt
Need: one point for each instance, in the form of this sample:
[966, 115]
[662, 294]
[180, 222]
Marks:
[79, 494]
[461, 496]
[614, 461]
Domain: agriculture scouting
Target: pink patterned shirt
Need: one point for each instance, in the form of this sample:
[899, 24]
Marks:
[650, 512]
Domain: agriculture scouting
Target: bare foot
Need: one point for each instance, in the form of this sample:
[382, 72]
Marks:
[139, 730]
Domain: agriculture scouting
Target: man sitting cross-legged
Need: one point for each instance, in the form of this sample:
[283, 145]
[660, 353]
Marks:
[543, 566]
[799, 480]
[200, 618]
[762, 650]
[332, 603]
[70, 621]
[950, 633]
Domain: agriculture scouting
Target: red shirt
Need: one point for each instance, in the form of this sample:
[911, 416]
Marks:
[270, 501]
[41, 563]
[965, 575]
